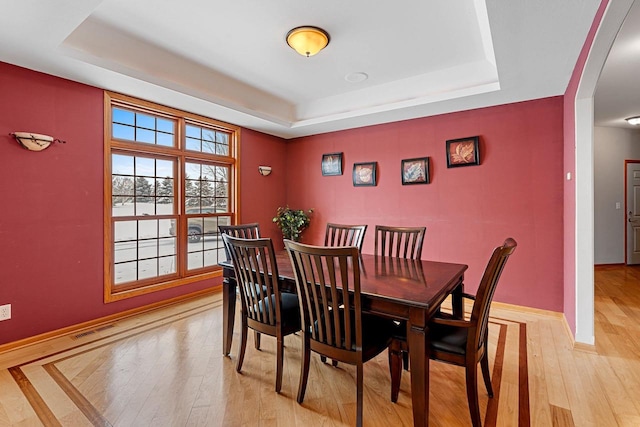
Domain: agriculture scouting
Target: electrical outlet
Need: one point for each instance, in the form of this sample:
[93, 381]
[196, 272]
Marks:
[5, 312]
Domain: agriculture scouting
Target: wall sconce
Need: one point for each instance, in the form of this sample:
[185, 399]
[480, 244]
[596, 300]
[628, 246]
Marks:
[264, 170]
[34, 141]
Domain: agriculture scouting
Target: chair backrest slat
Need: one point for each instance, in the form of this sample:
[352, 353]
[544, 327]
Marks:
[345, 235]
[257, 276]
[324, 278]
[399, 242]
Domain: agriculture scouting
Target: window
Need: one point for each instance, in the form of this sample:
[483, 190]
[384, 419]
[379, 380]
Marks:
[172, 182]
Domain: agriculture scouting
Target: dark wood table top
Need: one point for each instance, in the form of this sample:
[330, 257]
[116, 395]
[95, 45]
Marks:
[416, 283]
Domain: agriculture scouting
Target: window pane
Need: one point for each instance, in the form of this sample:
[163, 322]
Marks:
[193, 144]
[222, 205]
[192, 170]
[208, 147]
[122, 116]
[167, 265]
[165, 227]
[125, 230]
[145, 166]
[211, 258]
[147, 249]
[121, 185]
[194, 260]
[125, 272]
[164, 139]
[143, 135]
[165, 125]
[222, 150]
[193, 131]
[124, 251]
[164, 191]
[222, 138]
[145, 121]
[147, 268]
[121, 165]
[208, 135]
[167, 246]
[164, 168]
[193, 205]
[147, 229]
[209, 172]
[123, 132]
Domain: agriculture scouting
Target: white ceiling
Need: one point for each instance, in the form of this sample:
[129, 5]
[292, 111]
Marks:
[229, 59]
[618, 92]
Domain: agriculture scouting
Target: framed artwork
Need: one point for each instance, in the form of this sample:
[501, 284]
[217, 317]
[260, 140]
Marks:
[332, 164]
[463, 152]
[415, 171]
[364, 174]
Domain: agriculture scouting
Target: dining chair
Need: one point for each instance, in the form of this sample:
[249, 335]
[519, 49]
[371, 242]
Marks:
[263, 307]
[244, 231]
[464, 342]
[345, 235]
[333, 325]
[399, 242]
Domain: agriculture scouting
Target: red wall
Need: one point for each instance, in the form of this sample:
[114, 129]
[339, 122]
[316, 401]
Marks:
[517, 191]
[51, 221]
[261, 195]
[51, 224]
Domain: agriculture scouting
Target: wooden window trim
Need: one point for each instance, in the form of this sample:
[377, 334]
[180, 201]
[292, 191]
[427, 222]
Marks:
[141, 287]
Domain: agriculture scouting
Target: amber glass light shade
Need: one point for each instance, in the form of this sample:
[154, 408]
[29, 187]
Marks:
[307, 41]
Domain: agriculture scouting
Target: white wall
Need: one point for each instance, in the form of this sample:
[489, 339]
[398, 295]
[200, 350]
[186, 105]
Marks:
[612, 146]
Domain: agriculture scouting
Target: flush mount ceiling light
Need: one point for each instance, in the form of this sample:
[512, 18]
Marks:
[634, 120]
[307, 41]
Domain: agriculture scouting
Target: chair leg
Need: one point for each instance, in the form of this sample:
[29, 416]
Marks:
[304, 367]
[359, 392]
[243, 344]
[279, 362]
[395, 368]
[484, 364]
[405, 360]
[472, 393]
[256, 339]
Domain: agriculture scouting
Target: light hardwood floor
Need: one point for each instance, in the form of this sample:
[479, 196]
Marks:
[165, 368]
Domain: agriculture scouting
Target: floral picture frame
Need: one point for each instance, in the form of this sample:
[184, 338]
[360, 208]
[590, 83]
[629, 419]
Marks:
[415, 171]
[364, 174]
[463, 152]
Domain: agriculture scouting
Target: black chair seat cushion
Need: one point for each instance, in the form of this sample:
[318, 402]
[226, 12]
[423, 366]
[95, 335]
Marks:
[377, 333]
[450, 339]
[290, 311]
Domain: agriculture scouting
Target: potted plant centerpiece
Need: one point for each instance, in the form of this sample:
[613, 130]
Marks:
[292, 222]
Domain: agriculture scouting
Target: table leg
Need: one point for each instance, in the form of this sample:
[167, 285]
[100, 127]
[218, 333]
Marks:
[419, 362]
[457, 301]
[228, 313]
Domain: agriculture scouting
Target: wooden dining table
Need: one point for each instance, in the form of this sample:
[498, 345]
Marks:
[402, 289]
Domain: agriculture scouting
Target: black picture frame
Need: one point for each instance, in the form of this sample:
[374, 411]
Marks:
[463, 152]
[331, 164]
[365, 174]
[415, 171]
